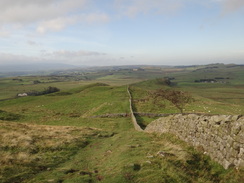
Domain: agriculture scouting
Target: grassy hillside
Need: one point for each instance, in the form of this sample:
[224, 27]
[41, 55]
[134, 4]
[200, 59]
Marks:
[223, 96]
[75, 108]
[27, 150]
[135, 157]
[60, 137]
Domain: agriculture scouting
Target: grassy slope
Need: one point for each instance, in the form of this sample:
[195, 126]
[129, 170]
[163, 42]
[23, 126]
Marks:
[119, 154]
[218, 98]
[213, 98]
[9, 88]
[74, 109]
[210, 98]
[123, 156]
[26, 150]
[131, 156]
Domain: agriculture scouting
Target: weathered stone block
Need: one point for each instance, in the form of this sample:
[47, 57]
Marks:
[230, 140]
[218, 119]
[234, 153]
[235, 117]
[226, 164]
[221, 147]
[241, 153]
[236, 129]
[240, 163]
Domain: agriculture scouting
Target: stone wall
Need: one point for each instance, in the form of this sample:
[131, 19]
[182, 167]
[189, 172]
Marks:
[220, 136]
[133, 118]
[114, 115]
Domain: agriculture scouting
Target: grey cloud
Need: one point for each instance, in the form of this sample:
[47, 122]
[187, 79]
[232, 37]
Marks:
[134, 7]
[32, 43]
[73, 54]
[62, 22]
[17, 59]
[47, 15]
[54, 24]
[4, 33]
[229, 6]
[232, 5]
[62, 56]
[95, 18]
[29, 11]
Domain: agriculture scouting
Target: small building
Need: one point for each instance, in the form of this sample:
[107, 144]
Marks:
[22, 95]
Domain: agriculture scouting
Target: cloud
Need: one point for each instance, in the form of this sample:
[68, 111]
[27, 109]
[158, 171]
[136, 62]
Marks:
[61, 23]
[75, 57]
[96, 18]
[32, 43]
[61, 56]
[230, 6]
[4, 33]
[29, 11]
[54, 24]
[8, 58]
[73, 54]
[135, 7]
[47, 15]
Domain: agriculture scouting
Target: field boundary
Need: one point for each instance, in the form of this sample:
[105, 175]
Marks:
[133, 118]
[111, 115]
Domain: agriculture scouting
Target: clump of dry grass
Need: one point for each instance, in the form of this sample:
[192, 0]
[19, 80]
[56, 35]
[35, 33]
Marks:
[28, 145]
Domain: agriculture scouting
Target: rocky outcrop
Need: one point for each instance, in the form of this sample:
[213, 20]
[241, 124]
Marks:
[221, 136]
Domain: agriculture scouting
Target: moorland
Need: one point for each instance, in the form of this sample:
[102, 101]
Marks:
[83, 132]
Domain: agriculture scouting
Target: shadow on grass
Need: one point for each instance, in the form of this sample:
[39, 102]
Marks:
[8, 116]
[140, 121]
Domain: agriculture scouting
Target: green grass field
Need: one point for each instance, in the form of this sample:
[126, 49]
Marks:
[60, 137]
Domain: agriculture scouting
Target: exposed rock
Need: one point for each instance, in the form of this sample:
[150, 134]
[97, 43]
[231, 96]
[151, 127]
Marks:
[163, 154]
[149, 162]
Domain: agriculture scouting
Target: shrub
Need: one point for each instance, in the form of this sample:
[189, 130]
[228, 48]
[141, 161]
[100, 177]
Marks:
[178, 98]
[36, 81]
[9, 116]
[48, 90]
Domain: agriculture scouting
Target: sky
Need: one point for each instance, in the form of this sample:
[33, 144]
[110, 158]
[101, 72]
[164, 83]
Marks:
[122, 32]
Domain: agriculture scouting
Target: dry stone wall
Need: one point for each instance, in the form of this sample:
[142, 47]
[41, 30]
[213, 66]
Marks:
[221, 136]
[133, 118]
